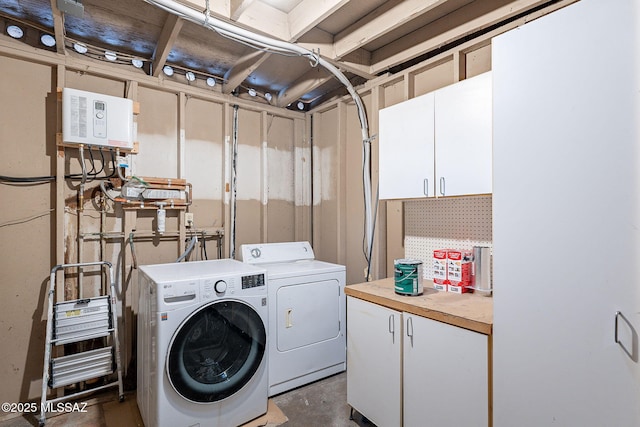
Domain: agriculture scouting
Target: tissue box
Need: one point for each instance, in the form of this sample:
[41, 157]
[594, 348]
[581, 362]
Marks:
[459, 263]
[440, 281]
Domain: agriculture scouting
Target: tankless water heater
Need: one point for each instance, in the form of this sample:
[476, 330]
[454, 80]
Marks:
[96, 119]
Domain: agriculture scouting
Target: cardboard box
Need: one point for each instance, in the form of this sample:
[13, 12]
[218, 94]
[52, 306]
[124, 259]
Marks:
[440, 281]
[459, 270]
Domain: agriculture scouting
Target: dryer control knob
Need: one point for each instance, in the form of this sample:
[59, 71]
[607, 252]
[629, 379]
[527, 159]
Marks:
[220, 286]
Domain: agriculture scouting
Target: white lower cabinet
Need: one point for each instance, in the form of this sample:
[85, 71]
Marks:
[374, 370]
[445, 375]
[407, 370]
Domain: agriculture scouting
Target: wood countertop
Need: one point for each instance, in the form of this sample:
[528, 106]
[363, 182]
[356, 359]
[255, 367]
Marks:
[469, 311]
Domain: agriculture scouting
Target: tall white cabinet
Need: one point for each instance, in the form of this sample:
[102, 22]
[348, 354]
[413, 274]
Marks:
[566, 213]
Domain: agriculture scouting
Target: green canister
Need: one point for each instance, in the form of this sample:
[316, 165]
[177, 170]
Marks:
[408, 276]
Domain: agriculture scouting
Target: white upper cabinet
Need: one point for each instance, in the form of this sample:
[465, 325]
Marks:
[438, 144]
[463, 135]
[406, 149]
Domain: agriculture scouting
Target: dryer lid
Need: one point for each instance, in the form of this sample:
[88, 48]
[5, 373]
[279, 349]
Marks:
[269, 253]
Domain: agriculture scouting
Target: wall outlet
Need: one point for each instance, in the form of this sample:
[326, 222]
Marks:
[188, 219]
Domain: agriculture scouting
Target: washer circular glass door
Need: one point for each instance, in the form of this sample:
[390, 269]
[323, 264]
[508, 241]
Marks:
[216, 351]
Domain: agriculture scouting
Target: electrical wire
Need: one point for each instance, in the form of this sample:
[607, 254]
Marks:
[27, 219]
[31, 180]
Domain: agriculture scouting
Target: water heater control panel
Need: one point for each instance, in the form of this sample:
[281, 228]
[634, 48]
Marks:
[96, 119]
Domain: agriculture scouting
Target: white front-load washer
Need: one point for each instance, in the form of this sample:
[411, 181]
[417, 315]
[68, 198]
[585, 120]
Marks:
[307, 313]
[202, 344]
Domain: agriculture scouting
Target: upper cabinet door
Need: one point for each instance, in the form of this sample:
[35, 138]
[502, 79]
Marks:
[407, 149]
[463, 135]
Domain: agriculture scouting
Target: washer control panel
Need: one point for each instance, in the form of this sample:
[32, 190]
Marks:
[253, 281]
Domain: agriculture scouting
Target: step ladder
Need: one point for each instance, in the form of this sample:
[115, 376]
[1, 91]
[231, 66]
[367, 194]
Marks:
[77, 321]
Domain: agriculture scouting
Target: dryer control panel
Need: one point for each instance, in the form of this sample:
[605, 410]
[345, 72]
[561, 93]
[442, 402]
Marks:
[263, 253]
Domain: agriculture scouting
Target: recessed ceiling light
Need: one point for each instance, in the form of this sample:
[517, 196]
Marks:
[268, 96]
[15, 31]
[48, 40]
[168, 70]
[138, 63]
[211, 82]
[300, 105]
[190, 76]
[252, 92]
[111, 56]
[80, 48]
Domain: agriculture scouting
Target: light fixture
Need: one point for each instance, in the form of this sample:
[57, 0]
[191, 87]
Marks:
[268, 96]
[211, 82]
[190, 76]
[48, 40]
[167, 70]
[111, 56]
[138, 63]
[252, 92]
[80, 48]
[300, 105]
[15, 31]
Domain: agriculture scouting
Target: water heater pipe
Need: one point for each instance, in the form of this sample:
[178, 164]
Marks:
[259, 41]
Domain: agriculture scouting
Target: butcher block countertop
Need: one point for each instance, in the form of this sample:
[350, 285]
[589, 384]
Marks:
[469, 311]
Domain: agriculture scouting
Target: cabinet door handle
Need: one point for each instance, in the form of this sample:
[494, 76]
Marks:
[392, 328]
[410, 329]
[425, 188]
[631, 348]
[442, 185]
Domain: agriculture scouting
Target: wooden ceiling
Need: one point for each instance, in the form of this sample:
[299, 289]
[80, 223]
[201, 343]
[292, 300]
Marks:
[364, 38]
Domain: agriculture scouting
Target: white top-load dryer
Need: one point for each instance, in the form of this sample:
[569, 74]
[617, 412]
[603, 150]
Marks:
[307, 313]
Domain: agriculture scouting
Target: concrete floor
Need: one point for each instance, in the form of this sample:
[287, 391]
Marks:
[320, 404]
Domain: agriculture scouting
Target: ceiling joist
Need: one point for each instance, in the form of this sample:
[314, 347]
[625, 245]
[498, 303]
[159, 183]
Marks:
[58, 27]
[241, 70]
[446, 30]
[309, 81]
[170, 31]
[380, 22]
[310, 13]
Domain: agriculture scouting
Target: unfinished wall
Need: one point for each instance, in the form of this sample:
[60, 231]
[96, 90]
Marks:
[337, 142]
[183, 132]
[27, 223]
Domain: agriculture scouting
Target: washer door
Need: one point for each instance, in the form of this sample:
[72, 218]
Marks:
[216, 351]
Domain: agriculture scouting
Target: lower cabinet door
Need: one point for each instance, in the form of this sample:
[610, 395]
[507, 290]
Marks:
[445, 375]
[374, 345]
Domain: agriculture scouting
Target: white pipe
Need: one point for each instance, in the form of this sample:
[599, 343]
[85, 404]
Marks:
[269, 43]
